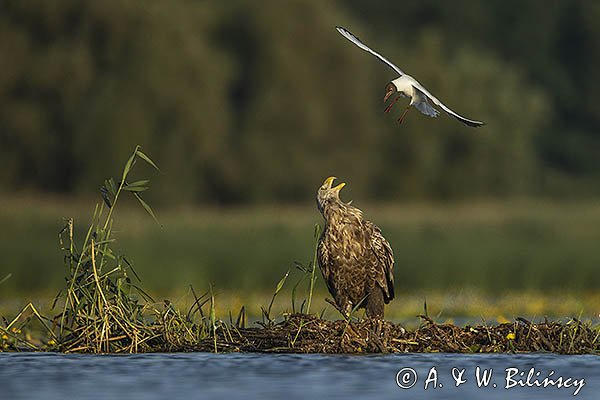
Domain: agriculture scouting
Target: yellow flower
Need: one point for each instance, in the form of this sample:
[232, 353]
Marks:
[51, 342]
[4, 337]
[511, 336]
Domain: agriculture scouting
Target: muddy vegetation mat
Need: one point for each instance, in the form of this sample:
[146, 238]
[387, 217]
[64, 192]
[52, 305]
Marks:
[308, 334]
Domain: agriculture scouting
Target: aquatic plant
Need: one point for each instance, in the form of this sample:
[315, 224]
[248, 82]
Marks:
[103, 308]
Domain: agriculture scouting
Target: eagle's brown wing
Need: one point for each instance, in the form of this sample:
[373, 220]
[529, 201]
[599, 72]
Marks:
[385, 257]
[325, 265]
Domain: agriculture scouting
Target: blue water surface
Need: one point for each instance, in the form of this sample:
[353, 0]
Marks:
[258, 376]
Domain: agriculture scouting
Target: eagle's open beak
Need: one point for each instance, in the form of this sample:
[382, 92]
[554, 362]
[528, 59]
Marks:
[328, 183]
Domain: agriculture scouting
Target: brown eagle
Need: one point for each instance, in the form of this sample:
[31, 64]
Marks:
[355, 259]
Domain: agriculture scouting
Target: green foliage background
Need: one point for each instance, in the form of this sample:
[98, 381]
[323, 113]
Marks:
[257, 102]
[254, 103]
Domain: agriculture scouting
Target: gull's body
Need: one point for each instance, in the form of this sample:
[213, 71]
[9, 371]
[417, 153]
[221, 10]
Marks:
[407, 86]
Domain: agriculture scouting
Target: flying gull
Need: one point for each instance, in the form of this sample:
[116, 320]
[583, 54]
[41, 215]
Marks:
[407, 86]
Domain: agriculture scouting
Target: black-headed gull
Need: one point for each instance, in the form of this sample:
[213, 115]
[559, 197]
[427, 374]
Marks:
[407, 86]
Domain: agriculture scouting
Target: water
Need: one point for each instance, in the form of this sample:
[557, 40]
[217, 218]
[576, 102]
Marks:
[52, 376]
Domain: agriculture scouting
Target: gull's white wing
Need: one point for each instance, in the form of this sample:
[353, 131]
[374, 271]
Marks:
[466, 121]
[424, 106]
[346, 33]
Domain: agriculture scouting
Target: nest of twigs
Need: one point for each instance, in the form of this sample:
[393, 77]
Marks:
[170, 331]
[300, 333]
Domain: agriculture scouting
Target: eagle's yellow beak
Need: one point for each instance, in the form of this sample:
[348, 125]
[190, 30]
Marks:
[328, 183]
[339, 187]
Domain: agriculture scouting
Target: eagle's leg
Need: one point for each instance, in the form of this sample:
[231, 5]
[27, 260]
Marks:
[403, 114]
[375, 303]
[388, 108]
[342, 310]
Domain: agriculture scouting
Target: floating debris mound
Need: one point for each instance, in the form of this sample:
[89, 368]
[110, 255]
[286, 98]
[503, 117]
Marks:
[300, 333]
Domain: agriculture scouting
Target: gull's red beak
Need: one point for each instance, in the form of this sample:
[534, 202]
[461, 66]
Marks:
[388, 94]
[390, 89]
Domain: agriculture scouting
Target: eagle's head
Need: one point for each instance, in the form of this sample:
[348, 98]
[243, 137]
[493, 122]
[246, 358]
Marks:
[327, 194]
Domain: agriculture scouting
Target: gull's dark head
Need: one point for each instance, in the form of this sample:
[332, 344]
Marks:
[390, 89]
[327, 194]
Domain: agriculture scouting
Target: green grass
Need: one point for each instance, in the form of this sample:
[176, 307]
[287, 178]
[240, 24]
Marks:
[492, 247]
[102, 308]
